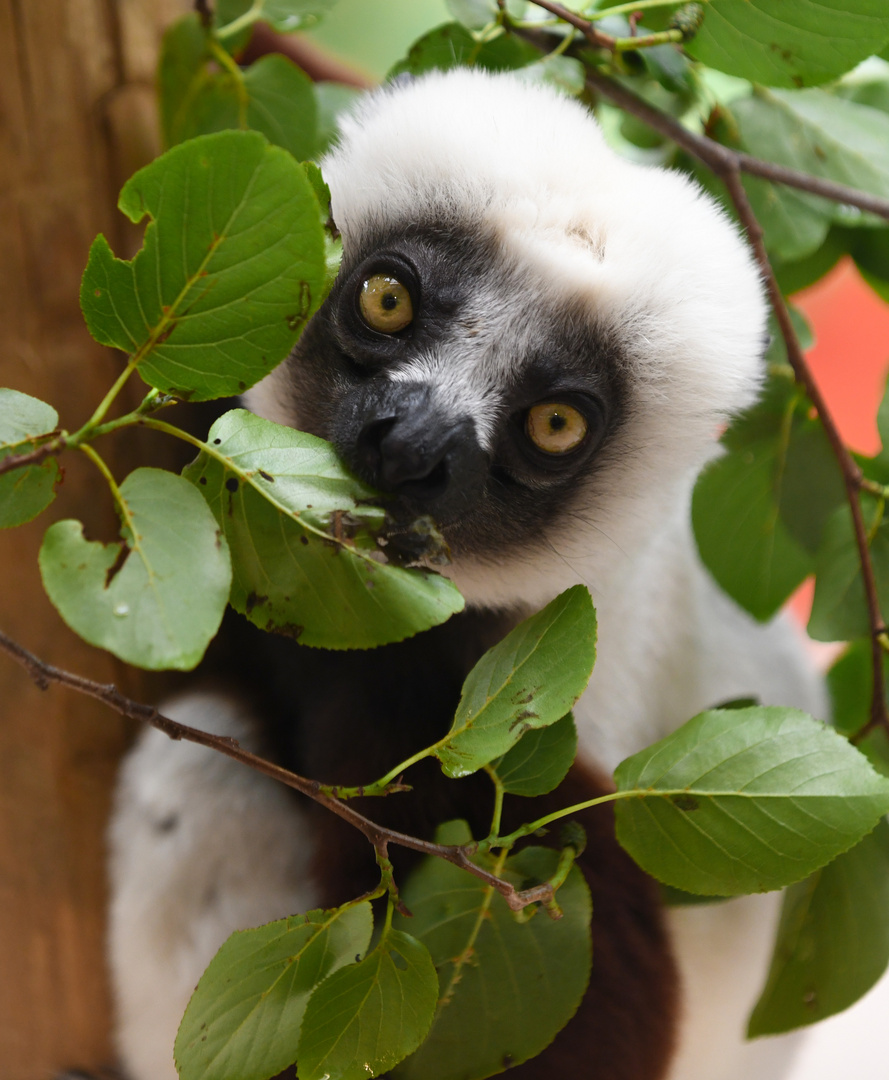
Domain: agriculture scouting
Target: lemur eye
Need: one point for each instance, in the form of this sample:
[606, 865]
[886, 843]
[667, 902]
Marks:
[555, 428]
[385, 304]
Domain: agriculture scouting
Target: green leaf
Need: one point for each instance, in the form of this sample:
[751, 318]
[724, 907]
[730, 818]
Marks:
[303, 541]
[833, 940]
[181, 74]
[789, 44]
[745, 800]
[156, 599]
[285, 16]
[812, 485]
[367, 1017]
[870, 250]
[797, 274]
[507, 987]
[232, 266]
[822, 134]
[272, 96]
[529, 680]
[540, 760]
[26, 492]
[839, 609]
[452, 45]
[736, 506]
[851, 685]
[868, 84]
[244, 1019]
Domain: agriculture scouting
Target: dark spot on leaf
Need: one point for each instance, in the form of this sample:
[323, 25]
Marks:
[231, 484]
[304, 539]
[115, 568]
[507, 1061]
[203, 480]
[266, 476]
[684, 802]
[242, 385]
[291, 630]
[819, 153]
[216, 442]
[219, 538]
[98, 292]
[167, 824]
[358, 958]
[165, 333]
[525, 714]
[398, 960]
[253, 600]
[369, 584]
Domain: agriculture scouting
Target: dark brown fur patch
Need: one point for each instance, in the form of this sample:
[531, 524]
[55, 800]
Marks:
[349, 717]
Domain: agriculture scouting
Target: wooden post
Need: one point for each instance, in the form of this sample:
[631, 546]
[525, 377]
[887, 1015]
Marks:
[76, 118]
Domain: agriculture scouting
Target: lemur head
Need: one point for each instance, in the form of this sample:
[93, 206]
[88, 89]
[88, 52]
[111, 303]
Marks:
[531, 339]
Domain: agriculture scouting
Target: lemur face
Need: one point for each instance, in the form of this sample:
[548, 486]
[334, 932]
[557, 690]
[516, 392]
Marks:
[448, 379]
[531, 339]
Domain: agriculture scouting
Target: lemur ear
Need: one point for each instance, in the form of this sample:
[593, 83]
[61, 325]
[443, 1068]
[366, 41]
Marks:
[630, 1012]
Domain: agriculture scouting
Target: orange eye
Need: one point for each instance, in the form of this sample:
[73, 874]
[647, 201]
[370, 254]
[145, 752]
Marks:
[555, 428]
[385, 304]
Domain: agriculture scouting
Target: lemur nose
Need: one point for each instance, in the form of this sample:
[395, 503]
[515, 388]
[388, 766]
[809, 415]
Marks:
[402, 457]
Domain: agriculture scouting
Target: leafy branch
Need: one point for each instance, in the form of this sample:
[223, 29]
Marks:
[728, 164]
[44, 674]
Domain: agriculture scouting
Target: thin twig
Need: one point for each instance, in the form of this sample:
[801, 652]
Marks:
[597, 38]
[721, 158]
[45, 674]
[32, 457]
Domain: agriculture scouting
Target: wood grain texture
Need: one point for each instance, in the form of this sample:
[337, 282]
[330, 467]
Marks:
[76, 117]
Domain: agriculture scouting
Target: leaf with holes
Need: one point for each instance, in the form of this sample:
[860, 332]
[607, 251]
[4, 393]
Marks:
[25, 422]
[745, 800]
[303, 540]
[833, 940]
[245, 1017]
[156, 599]
[507, 987]
[367, 1017]
[529, 680]
[231, 267]
[789, 44]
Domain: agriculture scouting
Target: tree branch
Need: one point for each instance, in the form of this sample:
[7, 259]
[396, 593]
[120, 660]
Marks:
[32, 457]
[45, 674]
[721, 159]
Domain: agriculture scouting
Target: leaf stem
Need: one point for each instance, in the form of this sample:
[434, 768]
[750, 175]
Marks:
[532, 826]
[628, 9]
[499, 792]
[250, 16]
[123, 509]
[224, 59]
[104, 404]
[466, 954]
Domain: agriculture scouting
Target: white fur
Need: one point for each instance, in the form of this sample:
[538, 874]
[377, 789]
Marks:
[237, 856]
[653, 262]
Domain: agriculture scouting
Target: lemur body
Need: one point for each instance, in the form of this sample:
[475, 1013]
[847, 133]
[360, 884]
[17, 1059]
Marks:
[577, 329]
